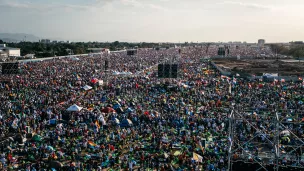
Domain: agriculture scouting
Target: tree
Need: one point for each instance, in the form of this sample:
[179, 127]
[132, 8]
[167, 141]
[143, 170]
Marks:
[1, 41]
[116, 43]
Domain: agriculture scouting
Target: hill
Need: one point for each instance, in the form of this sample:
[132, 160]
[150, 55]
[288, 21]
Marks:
[17, 37]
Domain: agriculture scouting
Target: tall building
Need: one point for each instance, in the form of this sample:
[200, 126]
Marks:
[261, 42]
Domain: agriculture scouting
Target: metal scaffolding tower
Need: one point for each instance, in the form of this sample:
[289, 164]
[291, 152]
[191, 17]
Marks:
[263, 140]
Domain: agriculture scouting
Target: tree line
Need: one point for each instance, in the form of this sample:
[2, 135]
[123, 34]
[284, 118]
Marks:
[42, 50]
[296, 51]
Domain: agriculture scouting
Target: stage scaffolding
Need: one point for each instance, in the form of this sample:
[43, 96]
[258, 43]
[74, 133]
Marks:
[270, 147]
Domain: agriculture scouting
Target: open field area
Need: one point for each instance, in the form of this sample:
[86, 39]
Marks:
[258, 67]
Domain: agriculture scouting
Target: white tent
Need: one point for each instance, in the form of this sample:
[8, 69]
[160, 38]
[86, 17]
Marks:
[75, 59]
[100, 82]
[86, 87]
[74, 108]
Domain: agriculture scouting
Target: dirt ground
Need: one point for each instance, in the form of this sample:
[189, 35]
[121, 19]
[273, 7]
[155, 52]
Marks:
[259, 66]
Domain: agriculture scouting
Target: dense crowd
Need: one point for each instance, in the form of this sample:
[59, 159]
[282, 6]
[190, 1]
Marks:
[69, 114]
[234, 51]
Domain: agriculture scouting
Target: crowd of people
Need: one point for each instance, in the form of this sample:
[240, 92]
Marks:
[237, 50]
[75, 114]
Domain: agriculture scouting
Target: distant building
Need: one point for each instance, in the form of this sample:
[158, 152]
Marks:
[29, 56]
[9, 51]
[54, 41]
[46, 41]
[261, 42]
[68, 41]
[97, 50]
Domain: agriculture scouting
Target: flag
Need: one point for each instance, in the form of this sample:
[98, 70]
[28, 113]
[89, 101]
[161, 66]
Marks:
[54, 156]
[78, 77]
[97, 124]
[136, 85]
[197, 157]
[230, 143]
[6, 85]
[230, 88]
[91, 143]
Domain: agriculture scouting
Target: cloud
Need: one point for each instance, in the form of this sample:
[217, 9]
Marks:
[133, 3]
[93, 6]
[12, 4]
[247, 5]
[42, 7]
[153, 6]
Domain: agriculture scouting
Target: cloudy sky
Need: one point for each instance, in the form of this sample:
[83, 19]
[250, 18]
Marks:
[155, 20]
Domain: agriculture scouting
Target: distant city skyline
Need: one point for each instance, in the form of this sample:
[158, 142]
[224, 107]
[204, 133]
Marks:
[156, 20]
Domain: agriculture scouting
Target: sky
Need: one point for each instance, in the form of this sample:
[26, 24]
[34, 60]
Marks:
[155, 20]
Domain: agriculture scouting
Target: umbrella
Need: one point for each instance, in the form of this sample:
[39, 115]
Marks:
[86, 87]
[94, 80]
[36, 138]
[107, 110]
[285, 132]
[74, 108]
[50, 148]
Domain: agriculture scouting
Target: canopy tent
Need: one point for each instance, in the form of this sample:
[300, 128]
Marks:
[86, 87]
[74, 108]
[75, 59]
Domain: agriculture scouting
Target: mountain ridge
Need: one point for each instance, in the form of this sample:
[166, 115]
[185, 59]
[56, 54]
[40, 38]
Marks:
[17, 37]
